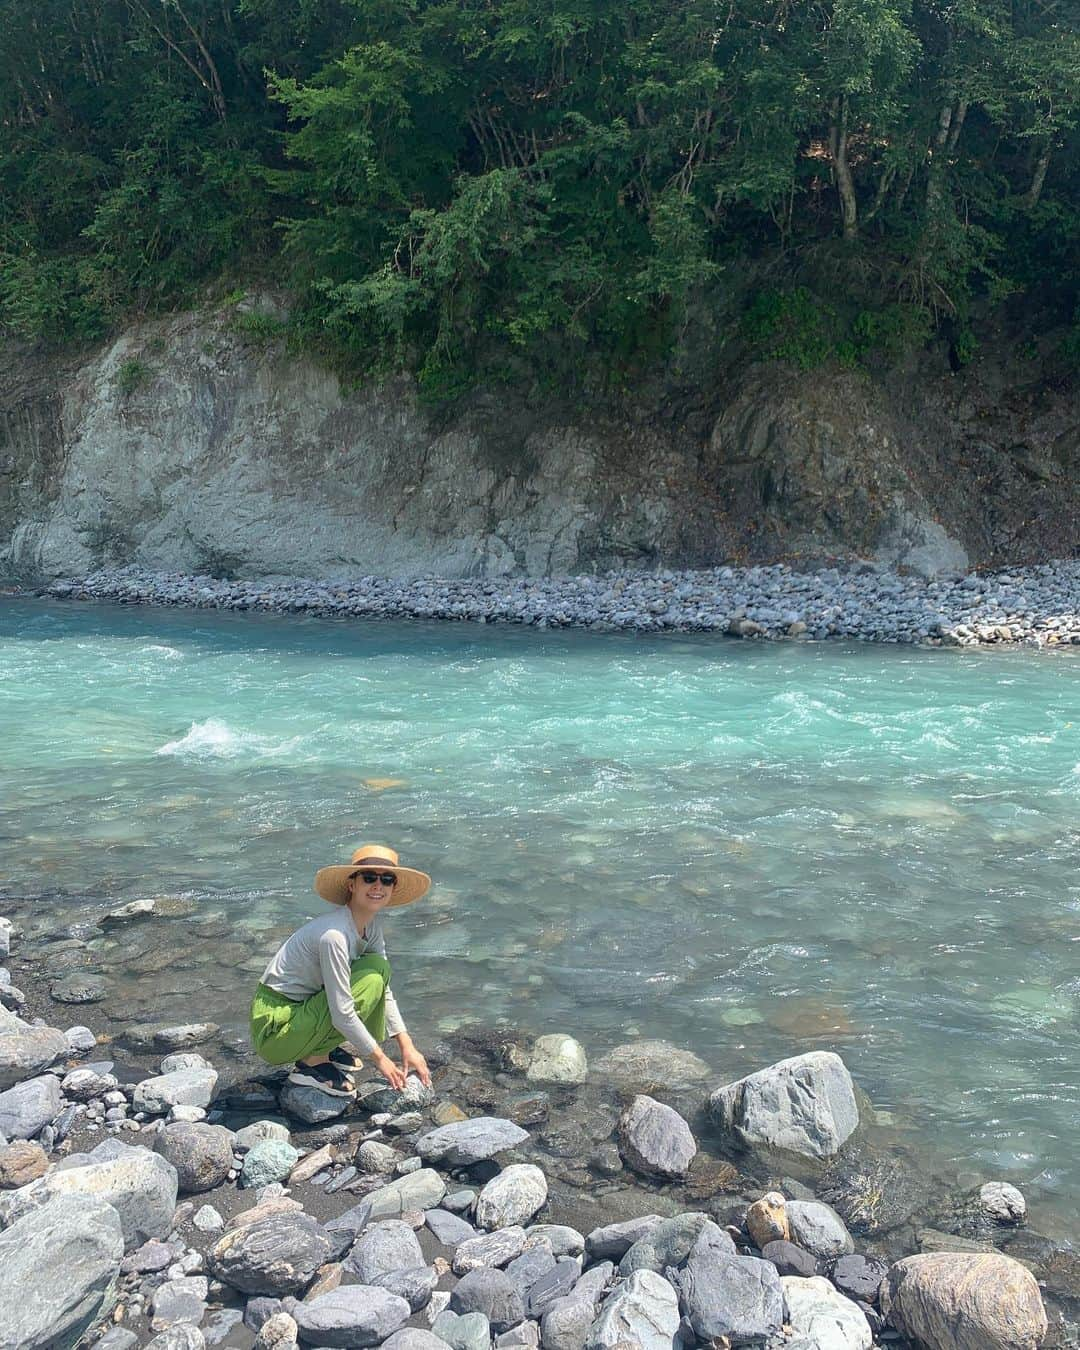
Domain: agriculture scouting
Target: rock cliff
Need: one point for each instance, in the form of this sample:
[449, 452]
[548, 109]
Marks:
[186, 445]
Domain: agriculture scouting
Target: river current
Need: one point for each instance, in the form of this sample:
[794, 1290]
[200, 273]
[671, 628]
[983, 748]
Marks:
[748, 849]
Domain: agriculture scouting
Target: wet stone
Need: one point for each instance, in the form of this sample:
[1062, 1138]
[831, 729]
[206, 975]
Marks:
[859, 1277]
[79, 988]
[790, 1259]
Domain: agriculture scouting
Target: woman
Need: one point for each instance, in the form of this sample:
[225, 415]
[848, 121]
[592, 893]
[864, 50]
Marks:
[330, 982]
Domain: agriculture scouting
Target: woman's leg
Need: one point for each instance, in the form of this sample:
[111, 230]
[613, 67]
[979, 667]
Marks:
[370, 976]
[303, 1031]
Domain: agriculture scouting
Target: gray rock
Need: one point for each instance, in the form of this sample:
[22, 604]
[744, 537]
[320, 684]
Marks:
[251, 1134]
[208, 1220]
[964, 1301]
[557, 1284]
[182, 1060]
[671, 1242]
[790, 1259]
[535, 1262]
[277, 1255]
[414, 1284]
[268, 1161]
[564, 1241]
[80, 1040]
[652, 1063]
[151, 1256]
[202, 1154]
[353, 1315]
[117, 1338]
[134, 909]
[151, 1034]
[372, 1156]
[468, 1332]
[735, 1296]
[384, 1247]
[26, 1051]
[179, 1301]
[824, 1317]
[490, 1249]
[28, 1106]
[643, 1312]
[414, 1338]
[805, 1105]
[448, 1228]
[818, 1229]
[492, 1293]
[83, 1085]
[654, 1139]
[219, 1325]
[79, 987]
[58, 1271]
[180, 1337]
[512, 1197]
[614, 1240]
[310, 1104]
[384, 1098]
[466, 1142]
[141, 1186]
[185, 1087]
[859, 1277]
[1003, 1203]
[557, 1059]
[421, 1191]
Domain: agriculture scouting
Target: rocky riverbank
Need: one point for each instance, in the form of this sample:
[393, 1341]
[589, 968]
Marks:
[1036, 606]
[160, 1187]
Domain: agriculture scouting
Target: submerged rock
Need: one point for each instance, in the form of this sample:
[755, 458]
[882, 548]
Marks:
[557, 1059]
[652, 1063]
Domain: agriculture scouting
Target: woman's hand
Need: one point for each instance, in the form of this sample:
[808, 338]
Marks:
[412, 1061]
[389, 1070]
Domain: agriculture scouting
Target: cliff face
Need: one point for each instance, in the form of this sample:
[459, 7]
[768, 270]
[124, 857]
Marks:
[184, 446]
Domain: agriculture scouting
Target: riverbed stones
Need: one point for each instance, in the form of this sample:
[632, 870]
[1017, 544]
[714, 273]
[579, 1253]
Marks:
[384, 1247]
[28, 1106]
[824, 1317]
[671, 1241]
[961, 1301]
[1002, 1203]
[250, 1135]
[22, 1162]
[654, 1139]
[859, 1277]
[557, 1059]
[643, 1312]
[415, 1338]
[467, 1142]
[654, 1062]
[790, 1259]
[179, 1037]
[415, 1284]
[767, 1221]
[182, 1300]
[722, 1294]
[25, 1052]
[492, 1293]
[818, 1229]
[276, 1255]
[79, 987]
[804, 1105]
[512, 1197]
[449, 1229]
[614, 1240]
[267, 1161]
[202, 1154]
[462, 1331]
[489, 1249]
[310, 1104]
[141, 1186]
[354, 1315]
[373, 1156]
[58, 1270]
[183, 1059]
[185, 1087]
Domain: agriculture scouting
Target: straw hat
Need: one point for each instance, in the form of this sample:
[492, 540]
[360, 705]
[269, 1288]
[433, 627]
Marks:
[332, 883]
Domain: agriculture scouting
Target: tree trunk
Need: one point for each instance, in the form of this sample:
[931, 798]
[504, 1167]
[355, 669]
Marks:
[845, 183]
[1030, 199]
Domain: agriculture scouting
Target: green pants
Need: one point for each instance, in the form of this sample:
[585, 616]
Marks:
[283, 1030]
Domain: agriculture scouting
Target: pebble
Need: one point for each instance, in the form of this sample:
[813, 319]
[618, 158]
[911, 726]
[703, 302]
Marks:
[1036, 606]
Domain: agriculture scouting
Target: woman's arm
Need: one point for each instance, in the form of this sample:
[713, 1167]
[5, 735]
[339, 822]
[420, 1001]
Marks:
[336, 971]
[411, 1058]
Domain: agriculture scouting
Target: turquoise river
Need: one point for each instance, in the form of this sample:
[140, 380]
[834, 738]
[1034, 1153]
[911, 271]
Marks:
[747, 849]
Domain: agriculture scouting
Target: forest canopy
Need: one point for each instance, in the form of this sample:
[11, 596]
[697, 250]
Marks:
[436, 179]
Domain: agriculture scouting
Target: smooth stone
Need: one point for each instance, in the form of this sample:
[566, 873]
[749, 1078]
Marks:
[564, 1241]
[382, 1248]
[83, 1085]
[184, 1059]
[186, 1115]
[859, 1277]
[459, 1202]
[790, 1259]
[558, 1283]
[739, 1297]
[654, 1139]
[415, 1284]
[353, 1315]
[207, 1220]
[511, 1198]
[150, 1257]
[310, 1104]
[414, 1338]
[767, 1221]
[655, 1062]
[642, 1312]
[492, 1293]
[141, 1186]
[381, 1159]
[26, 1051]
[267, 1161]
[258, 1130]
[79, 988]
[185, 1087]
[180, 1337]
[470, 1331]
[202, 1154]
[29, 1106]
[614, 1240]
[964, 1301]
[276, 1255]
[557, 1059]
[671, 1242]
[1002, 1202]
[176, 1301]
[490, 1249]
[134, 909]
[804, 1105]
[58, 1270]
[466, 1142]
[80, 1040]
[21, 1162]
[818, 1229]
[535, 1262]
[824, 1317]
[385, 1098]
[448, 1228]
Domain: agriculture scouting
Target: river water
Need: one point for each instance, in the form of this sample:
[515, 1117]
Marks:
[748, 849]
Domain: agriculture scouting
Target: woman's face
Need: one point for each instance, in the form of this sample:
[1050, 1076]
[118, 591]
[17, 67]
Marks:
[374, 894]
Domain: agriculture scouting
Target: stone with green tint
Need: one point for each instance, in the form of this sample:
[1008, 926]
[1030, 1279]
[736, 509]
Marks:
[269, 1160]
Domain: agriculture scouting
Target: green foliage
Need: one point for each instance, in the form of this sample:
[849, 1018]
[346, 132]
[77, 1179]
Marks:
[791, 326]
[131, 375]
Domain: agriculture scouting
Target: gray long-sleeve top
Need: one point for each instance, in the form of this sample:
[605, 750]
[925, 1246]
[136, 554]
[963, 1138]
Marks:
[319, 956]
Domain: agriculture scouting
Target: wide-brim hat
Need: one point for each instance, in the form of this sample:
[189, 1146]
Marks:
[332, 883]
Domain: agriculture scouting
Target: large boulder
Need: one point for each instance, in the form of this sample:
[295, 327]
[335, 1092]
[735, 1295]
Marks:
[654, 1139]
[354, 1315]
[805, 1105]
[183, 1087]
[26, 1051]
[465, 1142]
[965, 1301]
[739, 1297]
[491, 1292]
[58, 1271]
[420, 1190]
[512, 1197]
[382, 1248]
[643, 1312]
[202, 1154]
[27, 1108]
[818, 1229]
[824, 1317]
[277, 1255]
[141, 1186]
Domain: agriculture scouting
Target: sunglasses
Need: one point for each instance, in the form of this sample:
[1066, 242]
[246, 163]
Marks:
[370, 878]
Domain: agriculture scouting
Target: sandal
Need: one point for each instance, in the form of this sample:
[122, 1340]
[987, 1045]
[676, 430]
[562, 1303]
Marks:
[326, 1078]
[345, 1059]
